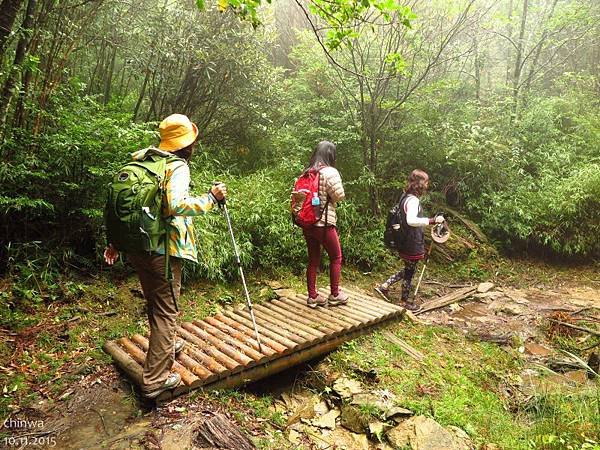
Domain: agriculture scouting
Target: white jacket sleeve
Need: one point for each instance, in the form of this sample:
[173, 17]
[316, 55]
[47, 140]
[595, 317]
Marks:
[411, 208]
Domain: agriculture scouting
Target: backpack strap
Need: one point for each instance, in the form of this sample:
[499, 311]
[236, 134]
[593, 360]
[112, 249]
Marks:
[168, 272]
[326, 207]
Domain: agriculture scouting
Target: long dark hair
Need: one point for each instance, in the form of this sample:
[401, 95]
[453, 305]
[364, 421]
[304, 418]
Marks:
[417, 182]
[323, 155]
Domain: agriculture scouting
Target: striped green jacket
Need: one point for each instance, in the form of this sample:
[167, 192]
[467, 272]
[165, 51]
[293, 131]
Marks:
[179, 205]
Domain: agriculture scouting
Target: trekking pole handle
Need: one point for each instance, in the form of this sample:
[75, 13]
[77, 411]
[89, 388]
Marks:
[221, 203]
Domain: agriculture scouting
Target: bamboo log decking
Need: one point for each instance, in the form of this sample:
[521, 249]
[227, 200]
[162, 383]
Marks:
[221, 351]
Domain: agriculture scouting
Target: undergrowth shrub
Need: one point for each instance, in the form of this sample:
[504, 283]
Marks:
[53, 186]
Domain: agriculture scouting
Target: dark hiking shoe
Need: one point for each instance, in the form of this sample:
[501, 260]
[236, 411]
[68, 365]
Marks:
[318, 301]
[411, 306]
[179, 345]
[340, 299]
[171, 382]
[383, 292]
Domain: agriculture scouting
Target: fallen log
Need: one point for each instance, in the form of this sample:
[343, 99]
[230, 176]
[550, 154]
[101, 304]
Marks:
[576, 327]
[470, 245]
[499, 339]
[447, 299]
[410, 351]
[219, 432]
[126, 362]
[587, 308]
[451, 286]
[564, 364]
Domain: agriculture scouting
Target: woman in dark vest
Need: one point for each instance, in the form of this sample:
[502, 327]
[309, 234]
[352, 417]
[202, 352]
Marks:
[412, 249]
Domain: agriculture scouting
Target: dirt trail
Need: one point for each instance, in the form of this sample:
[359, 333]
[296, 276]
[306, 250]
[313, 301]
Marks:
[521, 314]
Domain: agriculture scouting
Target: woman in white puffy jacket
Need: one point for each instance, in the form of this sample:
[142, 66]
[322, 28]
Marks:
[324, 232]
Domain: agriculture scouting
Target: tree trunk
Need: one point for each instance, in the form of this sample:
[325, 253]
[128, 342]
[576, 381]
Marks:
[109, 76]
[519, 61]
[538, 50]
[373, 191]
[20, 54]
[20, 118]
[477, 72]
[142, 93]
[10, 9]
[509, 30]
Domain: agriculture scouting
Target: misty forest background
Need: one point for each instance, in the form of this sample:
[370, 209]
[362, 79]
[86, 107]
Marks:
[497, 100]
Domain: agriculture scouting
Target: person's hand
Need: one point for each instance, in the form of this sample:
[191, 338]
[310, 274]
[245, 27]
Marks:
[219, 190]
[439, 219]
[111, 254]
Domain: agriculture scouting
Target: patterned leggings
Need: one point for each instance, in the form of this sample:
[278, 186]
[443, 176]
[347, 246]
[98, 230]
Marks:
[406, 275]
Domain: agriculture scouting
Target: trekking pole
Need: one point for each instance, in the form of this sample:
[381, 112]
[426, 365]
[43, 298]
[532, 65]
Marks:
[223, 204]
[423, 270]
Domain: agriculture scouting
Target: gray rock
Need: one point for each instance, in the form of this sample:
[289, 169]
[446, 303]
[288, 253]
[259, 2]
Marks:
[326, 420]
[346, 387]
[423, 433]
[396, 412]
[482, 288]
[377, 429]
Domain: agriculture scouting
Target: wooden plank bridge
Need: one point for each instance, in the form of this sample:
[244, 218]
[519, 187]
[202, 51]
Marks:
[221, 350]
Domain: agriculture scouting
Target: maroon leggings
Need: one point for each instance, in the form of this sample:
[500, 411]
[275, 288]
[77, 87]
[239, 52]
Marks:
[328, 238]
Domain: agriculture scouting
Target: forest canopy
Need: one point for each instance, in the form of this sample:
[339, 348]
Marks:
[497, 100]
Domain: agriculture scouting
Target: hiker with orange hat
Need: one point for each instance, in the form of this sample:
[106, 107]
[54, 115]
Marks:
[177, 141]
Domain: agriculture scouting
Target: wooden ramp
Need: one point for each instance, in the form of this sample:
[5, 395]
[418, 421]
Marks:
[221, 351]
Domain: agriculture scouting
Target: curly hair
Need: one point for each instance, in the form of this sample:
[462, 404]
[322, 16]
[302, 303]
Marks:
[417, 183]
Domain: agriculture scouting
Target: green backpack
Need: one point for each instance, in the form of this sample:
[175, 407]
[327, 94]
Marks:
[133, 212]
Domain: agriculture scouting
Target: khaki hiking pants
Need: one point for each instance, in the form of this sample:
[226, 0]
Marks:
[162, 315]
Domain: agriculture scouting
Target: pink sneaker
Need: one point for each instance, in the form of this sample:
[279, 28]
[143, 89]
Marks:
[340, 299]
[318, 301]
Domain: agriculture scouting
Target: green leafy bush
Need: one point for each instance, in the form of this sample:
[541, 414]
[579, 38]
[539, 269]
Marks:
[59, 177]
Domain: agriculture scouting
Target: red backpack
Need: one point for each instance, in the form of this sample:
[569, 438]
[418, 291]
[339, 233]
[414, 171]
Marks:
[306, 204]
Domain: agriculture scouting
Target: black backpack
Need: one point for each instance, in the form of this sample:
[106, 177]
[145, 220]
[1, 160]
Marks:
[395, 229]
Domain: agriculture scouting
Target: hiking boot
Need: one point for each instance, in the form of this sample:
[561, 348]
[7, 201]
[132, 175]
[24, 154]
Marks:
[318, 301]
[383, 292]
[340, 299]
[179, 345]
[171, 382]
